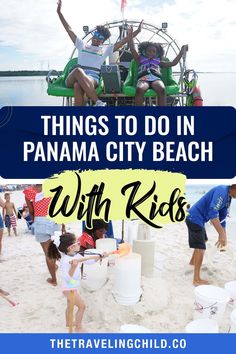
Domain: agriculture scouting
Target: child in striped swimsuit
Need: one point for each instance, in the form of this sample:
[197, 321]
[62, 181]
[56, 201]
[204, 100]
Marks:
[9, 214]
[150, 59]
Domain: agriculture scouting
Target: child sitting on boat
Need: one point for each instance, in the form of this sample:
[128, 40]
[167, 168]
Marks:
[84, 78]
[150, 59]
[70, 265]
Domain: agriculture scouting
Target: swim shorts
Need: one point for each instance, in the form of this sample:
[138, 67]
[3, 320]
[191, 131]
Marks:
[197, 236]
[10, 220]
[94, 74]
[149, 78]
[7, 221]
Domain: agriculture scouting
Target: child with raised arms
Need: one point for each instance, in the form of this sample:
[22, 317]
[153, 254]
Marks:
[150, 60]
[85, 76]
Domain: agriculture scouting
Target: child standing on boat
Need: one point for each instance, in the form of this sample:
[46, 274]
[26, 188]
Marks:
[9, 214]
[150, 59]
[84, 78]
[71, 261]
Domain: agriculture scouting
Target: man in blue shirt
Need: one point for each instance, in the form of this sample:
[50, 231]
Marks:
[213, 206]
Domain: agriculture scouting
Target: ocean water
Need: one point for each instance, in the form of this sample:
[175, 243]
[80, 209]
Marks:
[218, 89]
[26, 91]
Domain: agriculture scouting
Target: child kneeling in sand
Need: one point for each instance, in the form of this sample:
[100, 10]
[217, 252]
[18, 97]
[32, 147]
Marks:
[71, 262]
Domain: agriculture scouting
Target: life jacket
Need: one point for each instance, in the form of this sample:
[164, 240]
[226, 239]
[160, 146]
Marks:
[149, 66]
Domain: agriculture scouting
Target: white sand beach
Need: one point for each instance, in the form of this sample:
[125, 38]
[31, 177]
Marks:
[166, 304]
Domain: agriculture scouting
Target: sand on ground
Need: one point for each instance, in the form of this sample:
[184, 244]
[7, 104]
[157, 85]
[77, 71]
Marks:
[166, 304]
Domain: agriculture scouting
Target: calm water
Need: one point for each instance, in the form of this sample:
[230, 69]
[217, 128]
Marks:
[218, 89]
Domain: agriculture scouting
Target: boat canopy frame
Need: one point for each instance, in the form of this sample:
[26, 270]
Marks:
[149, 32]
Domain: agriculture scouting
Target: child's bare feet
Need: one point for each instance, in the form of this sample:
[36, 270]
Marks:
[200, 282]
[52, 282]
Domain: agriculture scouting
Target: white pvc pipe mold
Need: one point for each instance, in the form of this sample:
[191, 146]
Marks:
[143, 231]
[146, 248]
[106, 244]
[127, 279]
[94, 274]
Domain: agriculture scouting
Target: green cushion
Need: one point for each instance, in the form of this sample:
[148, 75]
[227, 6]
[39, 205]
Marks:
[129, 87]
[58, 87]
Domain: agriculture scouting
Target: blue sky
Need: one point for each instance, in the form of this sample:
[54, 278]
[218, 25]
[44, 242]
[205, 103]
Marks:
[32, 36]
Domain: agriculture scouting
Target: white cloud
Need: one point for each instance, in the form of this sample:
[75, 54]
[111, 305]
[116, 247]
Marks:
[34, 30]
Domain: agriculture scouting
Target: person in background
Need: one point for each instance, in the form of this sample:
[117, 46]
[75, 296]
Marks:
[26, 216]
[89, 236]
[213, 206]
[44, 228]
[9, 214]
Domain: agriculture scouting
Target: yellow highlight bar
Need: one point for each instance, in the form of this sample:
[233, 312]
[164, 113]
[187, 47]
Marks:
[156, 197]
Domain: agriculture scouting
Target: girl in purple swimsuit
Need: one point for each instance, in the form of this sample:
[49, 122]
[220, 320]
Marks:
[150, 59]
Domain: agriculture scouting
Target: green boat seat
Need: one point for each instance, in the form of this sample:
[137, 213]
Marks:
[58, 87]
[129, 86]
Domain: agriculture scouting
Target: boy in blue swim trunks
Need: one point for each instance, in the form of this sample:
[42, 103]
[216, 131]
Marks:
[84, 78]
[213, 206]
